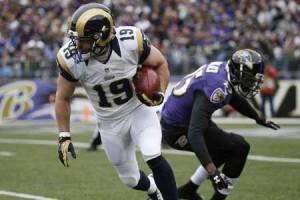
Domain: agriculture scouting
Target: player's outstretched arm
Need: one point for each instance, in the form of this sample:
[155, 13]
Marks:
[261, 120]
[65, 90]
[243, 106]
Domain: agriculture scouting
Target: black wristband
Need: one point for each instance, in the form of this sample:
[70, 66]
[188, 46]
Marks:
[62, 139]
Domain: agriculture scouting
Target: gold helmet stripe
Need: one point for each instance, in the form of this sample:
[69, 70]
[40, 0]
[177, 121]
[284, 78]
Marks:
[87, 15]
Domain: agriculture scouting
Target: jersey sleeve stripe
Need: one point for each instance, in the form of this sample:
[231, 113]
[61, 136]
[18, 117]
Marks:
[64, 69]
[144, 46]
[139, 37]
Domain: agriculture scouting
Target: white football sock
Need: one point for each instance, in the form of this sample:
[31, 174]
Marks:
[199, 176]
[153, 186]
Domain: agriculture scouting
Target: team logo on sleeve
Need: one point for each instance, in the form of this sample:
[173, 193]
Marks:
[217, 96]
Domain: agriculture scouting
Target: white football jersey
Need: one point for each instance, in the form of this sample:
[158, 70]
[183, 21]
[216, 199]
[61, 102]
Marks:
[109, 86]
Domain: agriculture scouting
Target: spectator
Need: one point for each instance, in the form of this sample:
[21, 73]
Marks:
[192, 28]
[269, 88]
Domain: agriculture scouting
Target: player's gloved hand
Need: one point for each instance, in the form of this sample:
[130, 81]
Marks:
[261, 120]
[219, 180]
[64, 146]
[156, 99]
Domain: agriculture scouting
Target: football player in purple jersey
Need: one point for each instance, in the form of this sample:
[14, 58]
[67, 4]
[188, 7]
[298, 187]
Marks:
[187, 123]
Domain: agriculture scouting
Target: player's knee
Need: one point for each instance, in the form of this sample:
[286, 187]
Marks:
[150, 152]
[129, 181]
[245, 146]
[150, 147]
[242, 146]
[128, 173]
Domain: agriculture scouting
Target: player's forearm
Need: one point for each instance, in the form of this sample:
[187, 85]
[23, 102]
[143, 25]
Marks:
[158, 61]
[164, 76]
[199, 147]
[241, 105]
[200, 119]
[210, 168]
[62, 112]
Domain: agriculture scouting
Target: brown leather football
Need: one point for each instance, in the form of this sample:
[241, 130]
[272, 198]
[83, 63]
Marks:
[146, 81]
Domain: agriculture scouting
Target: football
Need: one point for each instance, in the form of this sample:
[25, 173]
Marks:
[146, 81]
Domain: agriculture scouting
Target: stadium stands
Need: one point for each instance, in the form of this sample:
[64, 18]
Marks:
[188, 32]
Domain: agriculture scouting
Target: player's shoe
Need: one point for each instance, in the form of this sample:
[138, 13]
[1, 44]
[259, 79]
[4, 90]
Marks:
[155, 196]
[92, 147]
[185, 195]
[95, 143]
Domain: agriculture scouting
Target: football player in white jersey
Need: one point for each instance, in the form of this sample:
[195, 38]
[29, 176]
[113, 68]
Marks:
[104, 59]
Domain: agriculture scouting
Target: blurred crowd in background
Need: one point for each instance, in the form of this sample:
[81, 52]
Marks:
[188, 32]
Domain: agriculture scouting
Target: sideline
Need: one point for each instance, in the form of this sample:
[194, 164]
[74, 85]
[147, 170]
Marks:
[250, 157]
[23, 196]
[289, 127]
[218, 120]
[166, 151]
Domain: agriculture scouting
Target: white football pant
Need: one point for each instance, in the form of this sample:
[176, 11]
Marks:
[120, 138]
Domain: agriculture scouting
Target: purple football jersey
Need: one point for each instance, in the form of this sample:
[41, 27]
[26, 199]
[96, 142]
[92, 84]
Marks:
[213, 79]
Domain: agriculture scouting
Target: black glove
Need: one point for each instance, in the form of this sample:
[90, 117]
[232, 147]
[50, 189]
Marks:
[156, 99]
[219, 180]
[64, 146]
[262, 121]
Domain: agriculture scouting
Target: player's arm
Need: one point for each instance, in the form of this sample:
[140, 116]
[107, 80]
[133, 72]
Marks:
[240, 104]
[151, 57]
[65, 90]
[157, 60]
[66, 84]
[200, 119]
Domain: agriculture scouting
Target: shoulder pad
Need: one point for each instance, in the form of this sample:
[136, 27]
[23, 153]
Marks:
[133, 39]
[65, 61]
[127, 36]
[219, 92]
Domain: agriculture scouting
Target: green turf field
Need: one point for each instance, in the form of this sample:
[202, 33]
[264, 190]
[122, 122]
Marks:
[29, 165]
